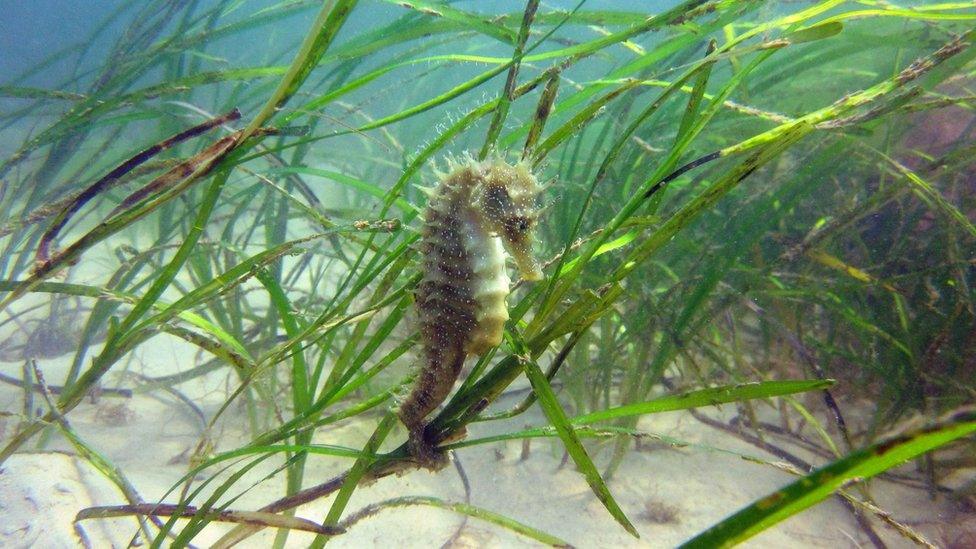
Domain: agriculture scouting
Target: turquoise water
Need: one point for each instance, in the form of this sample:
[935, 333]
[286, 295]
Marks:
[757, 238]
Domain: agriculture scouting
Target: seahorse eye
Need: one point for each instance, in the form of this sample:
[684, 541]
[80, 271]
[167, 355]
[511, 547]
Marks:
[517, 225]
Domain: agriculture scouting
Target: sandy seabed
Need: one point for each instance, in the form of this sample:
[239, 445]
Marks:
[669, 492]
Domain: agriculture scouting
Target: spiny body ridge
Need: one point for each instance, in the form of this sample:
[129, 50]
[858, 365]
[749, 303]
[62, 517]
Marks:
[477, 213]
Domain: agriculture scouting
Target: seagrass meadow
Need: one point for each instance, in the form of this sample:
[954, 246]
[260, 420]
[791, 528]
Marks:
[237, 235]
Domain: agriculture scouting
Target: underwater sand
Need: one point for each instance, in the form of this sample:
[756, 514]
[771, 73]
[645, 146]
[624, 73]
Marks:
[670, 493]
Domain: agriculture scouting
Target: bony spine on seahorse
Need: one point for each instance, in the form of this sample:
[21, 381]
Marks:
[477, 212]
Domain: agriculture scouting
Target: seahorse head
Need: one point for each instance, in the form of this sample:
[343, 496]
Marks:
[507, 198]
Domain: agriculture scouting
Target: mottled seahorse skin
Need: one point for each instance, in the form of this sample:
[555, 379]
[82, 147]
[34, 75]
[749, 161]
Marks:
[478, 211]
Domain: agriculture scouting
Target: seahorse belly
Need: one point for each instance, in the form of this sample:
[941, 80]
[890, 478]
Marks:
[490, 286]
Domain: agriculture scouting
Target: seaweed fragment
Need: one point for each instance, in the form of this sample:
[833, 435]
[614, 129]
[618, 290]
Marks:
[107, 181]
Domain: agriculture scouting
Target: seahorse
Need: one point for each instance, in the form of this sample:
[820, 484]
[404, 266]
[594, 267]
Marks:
[477, 213]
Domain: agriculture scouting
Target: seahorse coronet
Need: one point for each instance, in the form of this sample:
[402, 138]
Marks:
[479, 213]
